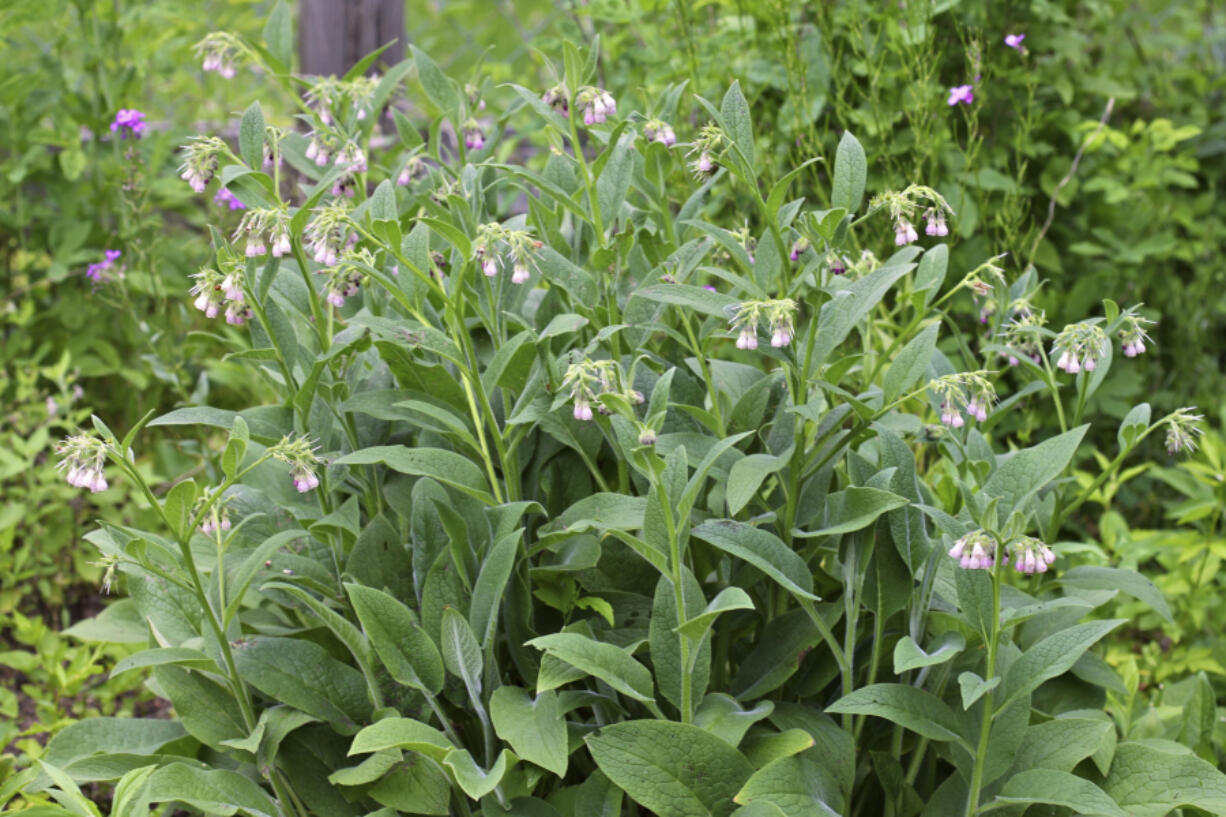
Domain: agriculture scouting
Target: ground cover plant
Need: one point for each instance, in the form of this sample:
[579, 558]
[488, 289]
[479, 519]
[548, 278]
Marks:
[574, 495]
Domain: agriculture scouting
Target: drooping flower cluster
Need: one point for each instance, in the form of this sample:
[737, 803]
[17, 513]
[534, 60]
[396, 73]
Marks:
[414, 168]
[217, 52]
[1079, 346]
[969, 392]
[779, 316]
[588, 379]
[710, 141]
[213, 290]
[904, 206]
[975, 551]
[329, 232]
[128, 122]
[216, 519]
[474, 136]
[659, 131]
[558, 99]
[1132, 332]
[299, 455]
[1023, 332]
[596, 104]
[263, 227]
[798, 248]
[200, 161]
[97, 271]
[324, 97]
[1183, 427]
[82, 457]
[1031, 555]
[496, 245]
[346, 277]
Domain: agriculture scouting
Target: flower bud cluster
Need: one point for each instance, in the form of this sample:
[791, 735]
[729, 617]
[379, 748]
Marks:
[904, 208]
[474, 136]
[1079, 346]
[975, 551]
[216, 519]
[1183, 427]
[969, 392]
[496, 244]
[1023, 332]
[262, 228]
[82, 457]
[558, 99]
[659, 131]
[213, 290]
[1132, 332]
[217, 52]
[779, 315]
[200, 161]
[1030, 555]
[596, 105]
[798, 248]
[588, 379]
[414, 168]
[329, 232]
[345, 278]
[708, 144]
[299, 455]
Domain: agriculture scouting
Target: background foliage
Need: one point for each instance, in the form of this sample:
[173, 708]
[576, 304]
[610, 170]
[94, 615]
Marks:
[1140, 221]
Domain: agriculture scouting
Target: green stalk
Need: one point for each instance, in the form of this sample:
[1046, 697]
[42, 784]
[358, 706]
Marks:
[985, 724]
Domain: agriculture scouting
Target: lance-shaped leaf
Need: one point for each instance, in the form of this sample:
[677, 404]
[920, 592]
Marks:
[609, 663]
[761, 549]
[402, 645]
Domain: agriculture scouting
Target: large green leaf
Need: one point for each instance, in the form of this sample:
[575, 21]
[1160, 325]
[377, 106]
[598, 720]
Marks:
[1094, 577]
[797, 785]
[1052, 656]
[609, 663]
[850, 174]
[673, 769]
[404, 647]
[909, 707]
[761, 549]
[534, 727]
[302, 674]
[1025, 472]
[215, 792]
[1061, 743]
[853, 509]
[402, 733]
[445, 466]
[1153, 778]
[1059, 789]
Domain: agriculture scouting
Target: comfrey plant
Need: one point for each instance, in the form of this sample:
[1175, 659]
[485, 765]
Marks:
[571, 540]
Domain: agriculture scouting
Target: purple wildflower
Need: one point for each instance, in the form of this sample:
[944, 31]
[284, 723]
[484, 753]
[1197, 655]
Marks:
[128, 121]
[962, 93]
[96, 271]
[1014, 41]
[224, 196]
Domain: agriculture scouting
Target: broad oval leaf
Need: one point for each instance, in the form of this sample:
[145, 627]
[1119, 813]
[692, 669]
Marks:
[673, 769]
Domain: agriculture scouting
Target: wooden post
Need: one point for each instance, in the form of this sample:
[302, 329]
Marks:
[333, 35]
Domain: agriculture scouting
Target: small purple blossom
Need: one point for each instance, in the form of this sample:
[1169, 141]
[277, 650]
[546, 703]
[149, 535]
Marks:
[128, 122]
[1014, 41]
[224, 196]
[96, 271]
[964, 94]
